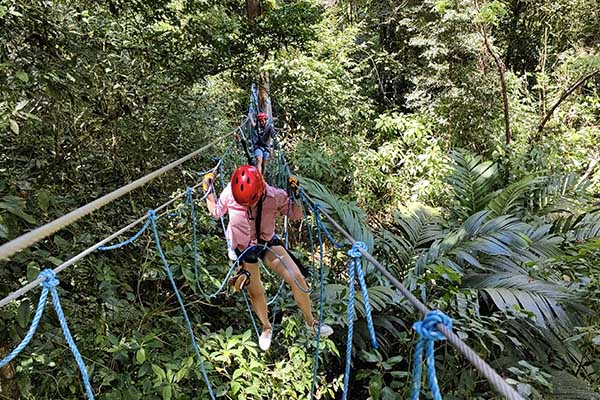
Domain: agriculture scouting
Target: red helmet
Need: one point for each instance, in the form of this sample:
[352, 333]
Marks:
[262, 116]
[247, 185]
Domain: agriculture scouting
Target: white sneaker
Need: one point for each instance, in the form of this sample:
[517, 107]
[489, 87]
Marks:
[264, 341]
[326, 330]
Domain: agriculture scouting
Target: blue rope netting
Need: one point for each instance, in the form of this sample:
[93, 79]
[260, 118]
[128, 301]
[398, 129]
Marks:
[128, 241]
[188, 323]
[356, 267]
[49, 285]
[428, 332]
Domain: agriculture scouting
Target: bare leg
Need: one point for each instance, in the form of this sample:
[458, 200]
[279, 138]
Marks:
[259, 161]
[257, 295]
[291, 277]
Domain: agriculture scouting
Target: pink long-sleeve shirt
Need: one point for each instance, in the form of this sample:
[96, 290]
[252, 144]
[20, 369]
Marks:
[242, 225]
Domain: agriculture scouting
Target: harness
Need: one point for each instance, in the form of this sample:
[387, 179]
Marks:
[252, 256]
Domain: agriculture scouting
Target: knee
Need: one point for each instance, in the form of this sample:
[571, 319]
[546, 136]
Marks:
[298, 278]
[256, 289]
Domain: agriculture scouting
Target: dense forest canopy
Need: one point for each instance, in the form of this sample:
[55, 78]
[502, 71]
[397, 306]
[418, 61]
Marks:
[459, 139]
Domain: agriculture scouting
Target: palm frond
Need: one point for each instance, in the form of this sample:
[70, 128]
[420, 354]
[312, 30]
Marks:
[544, 300]
[350, 216]
[479, 235]
[569, 387]
[541, 344]
[544, 244]
[561, 194]
[415, 227]
[472, 180]
[511, 199]
[588, 227]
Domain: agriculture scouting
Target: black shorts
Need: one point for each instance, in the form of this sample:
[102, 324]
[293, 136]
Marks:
[253, 253]
[258, 252]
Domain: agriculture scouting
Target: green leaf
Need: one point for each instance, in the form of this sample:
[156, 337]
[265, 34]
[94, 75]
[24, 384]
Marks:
[235, 387]
[14, 126]
[167, 393]
[140, 356]
[43, 199]
[237, 373]
[15, 205]
[181, 374]
[491, 12]
[22, 76]
[3, 231]
[33, 270]
[24, 313]
[159, 372]
[369, 357]
[375, 385]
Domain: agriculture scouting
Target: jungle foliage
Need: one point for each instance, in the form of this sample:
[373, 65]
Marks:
[459, 139]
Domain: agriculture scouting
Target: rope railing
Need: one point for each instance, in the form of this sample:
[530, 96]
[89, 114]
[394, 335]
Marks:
[7, 250]
[34, 284]
[486, 370]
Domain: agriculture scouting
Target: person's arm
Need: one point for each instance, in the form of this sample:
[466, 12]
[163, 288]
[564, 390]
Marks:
[217, 208]
[289, 207]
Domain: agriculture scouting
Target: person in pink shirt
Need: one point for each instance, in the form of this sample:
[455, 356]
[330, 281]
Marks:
[251, 204]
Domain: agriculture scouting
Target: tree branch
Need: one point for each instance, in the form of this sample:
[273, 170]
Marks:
[501, 72]
[564, 95]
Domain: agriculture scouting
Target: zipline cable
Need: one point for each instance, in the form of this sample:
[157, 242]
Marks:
[22, 242]
[492, 376]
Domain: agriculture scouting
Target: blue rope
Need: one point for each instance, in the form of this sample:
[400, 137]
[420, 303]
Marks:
[355, 266]
[316, 210]
[128, 241]
[190, 203]
[356, 257]
[251, 315]
[180, 300]
[310, 235]
[321, 292]
[428, 332]
[49, 285]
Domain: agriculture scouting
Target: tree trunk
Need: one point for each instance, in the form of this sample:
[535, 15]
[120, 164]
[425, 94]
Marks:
[263, 91]
[252, 9]
[9, 388]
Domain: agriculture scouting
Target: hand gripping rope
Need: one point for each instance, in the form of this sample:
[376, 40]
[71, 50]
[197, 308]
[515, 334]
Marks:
[429, 333]
[355, 266]
[49, 283]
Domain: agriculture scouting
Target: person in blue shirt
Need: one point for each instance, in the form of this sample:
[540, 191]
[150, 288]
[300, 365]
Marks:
[262, 136]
